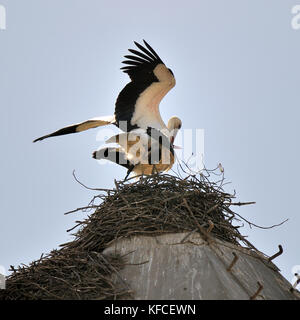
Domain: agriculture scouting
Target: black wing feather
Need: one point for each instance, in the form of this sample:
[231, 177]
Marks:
[151, 49]
[140, 66]
[135, 58]
[134, 63]
[148, 53]
[141, 55]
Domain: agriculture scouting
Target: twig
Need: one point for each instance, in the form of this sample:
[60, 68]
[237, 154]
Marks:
[95, 189]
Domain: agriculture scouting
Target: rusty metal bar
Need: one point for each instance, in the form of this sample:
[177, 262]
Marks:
[235, 259]
[276, 254]
[260, 287]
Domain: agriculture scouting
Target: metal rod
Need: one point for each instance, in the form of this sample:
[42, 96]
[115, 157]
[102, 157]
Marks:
[235, 259]
[276, 254]
[260, 287]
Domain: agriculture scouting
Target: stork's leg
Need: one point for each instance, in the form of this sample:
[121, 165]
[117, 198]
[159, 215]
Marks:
[129, 171]
[154, 169]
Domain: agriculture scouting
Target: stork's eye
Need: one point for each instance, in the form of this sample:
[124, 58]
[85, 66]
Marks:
[171, 72]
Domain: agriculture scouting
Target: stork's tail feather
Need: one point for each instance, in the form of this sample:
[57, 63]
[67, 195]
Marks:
[114, 155]
[78, 127]
[67, 130]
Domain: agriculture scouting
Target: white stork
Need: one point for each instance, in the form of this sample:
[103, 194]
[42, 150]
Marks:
[137, 114]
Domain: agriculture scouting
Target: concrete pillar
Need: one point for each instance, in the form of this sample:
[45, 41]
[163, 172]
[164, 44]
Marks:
[165, 267]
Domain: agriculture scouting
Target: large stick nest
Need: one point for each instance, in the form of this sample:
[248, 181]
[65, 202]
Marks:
[154, 205]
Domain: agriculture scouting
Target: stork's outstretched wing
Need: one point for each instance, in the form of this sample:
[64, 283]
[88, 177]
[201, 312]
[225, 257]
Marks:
[78, 127]
[137, 105]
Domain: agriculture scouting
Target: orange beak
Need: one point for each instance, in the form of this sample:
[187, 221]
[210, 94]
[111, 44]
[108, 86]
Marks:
[172, 143]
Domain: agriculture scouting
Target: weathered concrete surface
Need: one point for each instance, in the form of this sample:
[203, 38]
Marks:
[163, 268]
[2, 281]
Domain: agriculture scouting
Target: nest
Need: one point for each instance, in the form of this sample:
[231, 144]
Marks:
[153, 205]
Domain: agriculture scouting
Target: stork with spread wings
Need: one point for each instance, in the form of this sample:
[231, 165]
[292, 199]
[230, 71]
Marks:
[147, 144]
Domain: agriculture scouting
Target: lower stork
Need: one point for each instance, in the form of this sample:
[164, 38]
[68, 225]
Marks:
[143, 152]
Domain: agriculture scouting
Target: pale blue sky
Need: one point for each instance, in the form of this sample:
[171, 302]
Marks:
[237, 69]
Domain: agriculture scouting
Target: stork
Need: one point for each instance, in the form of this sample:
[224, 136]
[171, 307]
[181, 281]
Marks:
[142, 155]
[137, 114]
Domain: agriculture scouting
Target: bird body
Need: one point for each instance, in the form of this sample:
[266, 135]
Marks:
[142, 151]
[137, 115]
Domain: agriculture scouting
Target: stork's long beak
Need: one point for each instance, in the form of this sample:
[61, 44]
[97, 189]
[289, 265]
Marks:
[172, 143]
[176, 147]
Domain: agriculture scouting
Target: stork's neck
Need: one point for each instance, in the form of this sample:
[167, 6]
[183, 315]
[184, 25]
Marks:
[146, 112]
[155, 118]
[149, 117]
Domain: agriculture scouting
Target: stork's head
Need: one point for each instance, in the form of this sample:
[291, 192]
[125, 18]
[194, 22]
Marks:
[174, 124]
